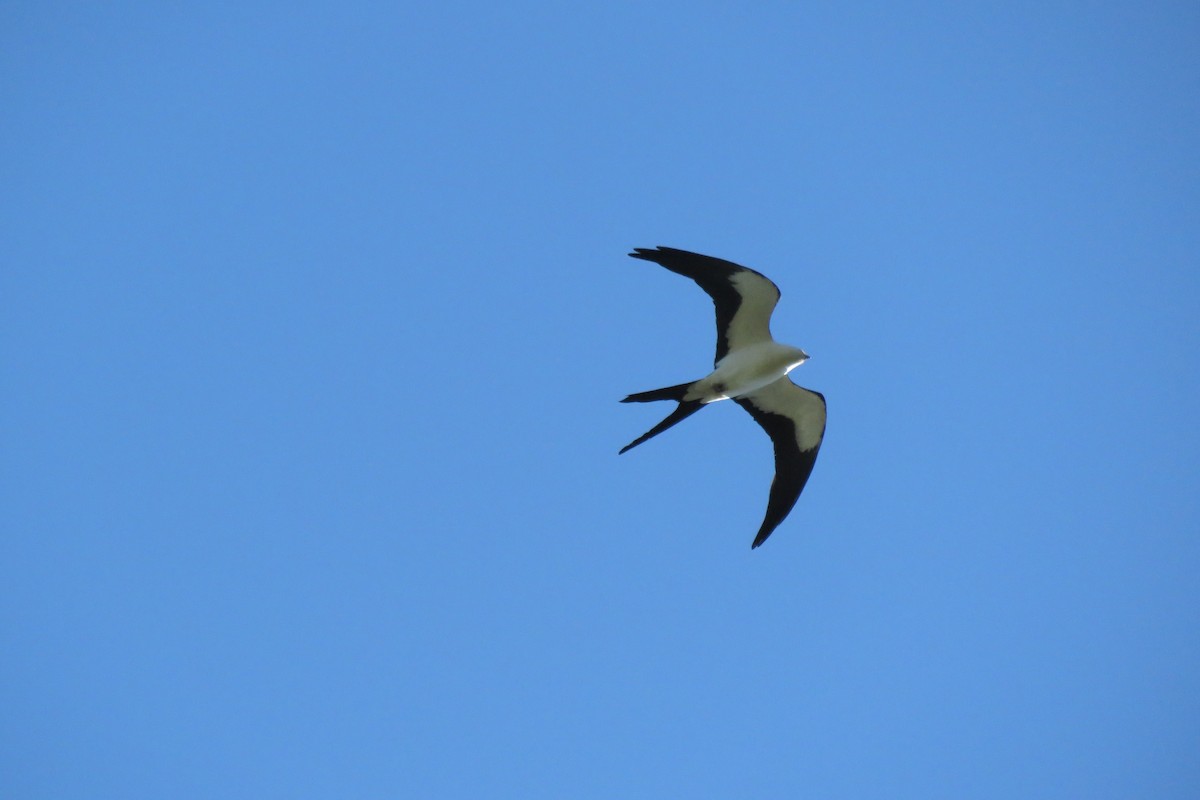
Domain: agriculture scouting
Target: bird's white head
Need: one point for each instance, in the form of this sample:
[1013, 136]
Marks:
[797, 357]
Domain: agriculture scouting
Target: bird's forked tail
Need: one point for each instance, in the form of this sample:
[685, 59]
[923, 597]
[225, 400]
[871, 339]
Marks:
[682, 411]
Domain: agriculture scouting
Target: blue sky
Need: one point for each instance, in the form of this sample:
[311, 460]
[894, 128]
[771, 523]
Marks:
[315, 320]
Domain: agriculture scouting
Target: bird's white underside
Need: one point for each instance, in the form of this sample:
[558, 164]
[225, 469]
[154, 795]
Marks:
[756, 366]
[745, 369]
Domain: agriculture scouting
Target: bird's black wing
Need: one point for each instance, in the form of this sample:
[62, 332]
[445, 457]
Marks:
[744, 299]
[794, 418]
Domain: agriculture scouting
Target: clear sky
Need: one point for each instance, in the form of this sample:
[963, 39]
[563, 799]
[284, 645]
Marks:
[315, 320]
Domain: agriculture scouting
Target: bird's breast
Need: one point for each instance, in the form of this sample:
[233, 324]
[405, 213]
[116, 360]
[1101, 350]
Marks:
[745, 370]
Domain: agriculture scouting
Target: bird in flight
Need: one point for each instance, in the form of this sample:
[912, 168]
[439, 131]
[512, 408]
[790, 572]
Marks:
[751, 369]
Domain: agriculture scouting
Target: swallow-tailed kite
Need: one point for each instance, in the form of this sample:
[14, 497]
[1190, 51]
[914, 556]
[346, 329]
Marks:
[751, 369]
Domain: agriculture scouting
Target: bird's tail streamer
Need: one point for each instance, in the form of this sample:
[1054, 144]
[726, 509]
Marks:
[682, 411]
